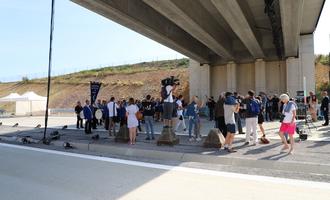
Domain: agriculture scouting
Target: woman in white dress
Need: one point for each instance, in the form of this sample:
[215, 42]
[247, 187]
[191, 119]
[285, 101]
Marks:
[132, 121]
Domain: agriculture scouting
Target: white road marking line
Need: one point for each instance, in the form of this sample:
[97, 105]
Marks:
[293, 182]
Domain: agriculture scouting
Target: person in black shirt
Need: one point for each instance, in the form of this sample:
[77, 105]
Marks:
[325, 108]
[77, 110]
[148, 108]
[275, 106]
[238, 119]
[211, 104]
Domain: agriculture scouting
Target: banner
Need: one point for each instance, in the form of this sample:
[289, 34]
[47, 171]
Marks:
[95, 88]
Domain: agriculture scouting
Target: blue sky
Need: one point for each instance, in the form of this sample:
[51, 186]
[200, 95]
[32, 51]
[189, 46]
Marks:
[82, 40]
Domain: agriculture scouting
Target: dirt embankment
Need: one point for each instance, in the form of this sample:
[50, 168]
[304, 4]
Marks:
[122, 82]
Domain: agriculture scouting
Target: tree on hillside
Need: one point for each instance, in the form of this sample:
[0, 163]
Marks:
[323, 59]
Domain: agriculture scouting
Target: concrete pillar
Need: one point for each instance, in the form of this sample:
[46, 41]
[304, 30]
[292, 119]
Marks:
[307, 60]
[298, 68]
[293, 76]
[199, 79]
[231, 77]
[260, 75]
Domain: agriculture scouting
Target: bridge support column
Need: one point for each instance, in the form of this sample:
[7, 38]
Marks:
[307, 60]
[231, 77]
[298, 68]
[199, 79]
[293, 76]
[260, 76]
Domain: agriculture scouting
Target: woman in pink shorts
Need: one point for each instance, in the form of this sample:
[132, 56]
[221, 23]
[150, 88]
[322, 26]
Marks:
[289, 121]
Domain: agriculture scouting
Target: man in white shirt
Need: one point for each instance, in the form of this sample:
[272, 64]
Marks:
[180, 114]
[168, 106]
[112, 107]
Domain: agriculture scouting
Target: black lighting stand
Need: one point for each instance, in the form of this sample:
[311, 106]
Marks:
[309, 121]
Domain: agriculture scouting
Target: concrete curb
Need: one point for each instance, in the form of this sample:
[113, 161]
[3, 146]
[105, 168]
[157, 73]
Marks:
[299, 167]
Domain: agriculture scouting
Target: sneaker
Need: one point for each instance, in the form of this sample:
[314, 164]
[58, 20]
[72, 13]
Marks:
[241, 133]
[191, 139]
[231, 150]
[147, 138]
[198, 139]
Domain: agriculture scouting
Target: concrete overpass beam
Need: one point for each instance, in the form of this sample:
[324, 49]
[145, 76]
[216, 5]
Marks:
[194, 19]
[231, 77]
[241, 24]
[291, 20]
[143, 19]
[260, 75]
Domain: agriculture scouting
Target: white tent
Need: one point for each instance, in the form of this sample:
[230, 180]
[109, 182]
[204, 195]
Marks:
[12, 97]
[30, 103]
[27, 104]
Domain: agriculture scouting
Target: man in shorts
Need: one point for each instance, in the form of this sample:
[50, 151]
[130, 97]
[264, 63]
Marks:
[231, 106]
[168, 106]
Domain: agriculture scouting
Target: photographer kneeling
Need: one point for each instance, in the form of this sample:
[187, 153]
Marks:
[168, 86]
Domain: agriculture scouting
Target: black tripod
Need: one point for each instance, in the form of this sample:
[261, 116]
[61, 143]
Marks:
[309, 121]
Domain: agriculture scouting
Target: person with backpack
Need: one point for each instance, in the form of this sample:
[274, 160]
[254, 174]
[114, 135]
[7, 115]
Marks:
[252, 112]
[231, 106]
[261, 120]
[288, 122]
[148, 108]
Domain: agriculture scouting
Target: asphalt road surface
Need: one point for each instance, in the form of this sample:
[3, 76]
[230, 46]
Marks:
[31, 174]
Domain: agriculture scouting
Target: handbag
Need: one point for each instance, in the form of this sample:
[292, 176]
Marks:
[115, 119]
[139, 115]
[282, 116]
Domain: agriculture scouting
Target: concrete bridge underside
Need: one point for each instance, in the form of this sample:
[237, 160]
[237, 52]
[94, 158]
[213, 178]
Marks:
[234, 45]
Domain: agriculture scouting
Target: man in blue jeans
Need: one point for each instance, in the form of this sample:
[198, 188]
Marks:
[192, 113]
[148, 112]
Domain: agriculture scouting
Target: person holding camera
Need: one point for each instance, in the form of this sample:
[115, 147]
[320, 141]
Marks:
[230, 106]
[288, 121]
[168, 86]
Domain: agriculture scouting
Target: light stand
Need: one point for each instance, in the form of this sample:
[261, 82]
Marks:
[44, 140]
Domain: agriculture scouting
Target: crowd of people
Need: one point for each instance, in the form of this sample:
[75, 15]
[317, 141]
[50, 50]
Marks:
[228, 112]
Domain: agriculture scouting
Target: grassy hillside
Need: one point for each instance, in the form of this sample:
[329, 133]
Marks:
[124, 81]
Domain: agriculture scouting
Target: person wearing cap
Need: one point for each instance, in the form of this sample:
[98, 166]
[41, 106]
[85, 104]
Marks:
[288, 124]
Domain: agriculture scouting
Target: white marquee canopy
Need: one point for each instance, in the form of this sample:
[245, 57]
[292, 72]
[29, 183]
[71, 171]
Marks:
[27, 104]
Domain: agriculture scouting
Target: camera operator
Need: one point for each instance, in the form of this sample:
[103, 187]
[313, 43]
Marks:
[168, 86]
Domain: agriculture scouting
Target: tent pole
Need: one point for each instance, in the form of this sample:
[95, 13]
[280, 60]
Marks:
[49, 66]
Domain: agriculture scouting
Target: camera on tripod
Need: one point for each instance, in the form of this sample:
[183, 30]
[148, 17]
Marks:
[170, 81]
